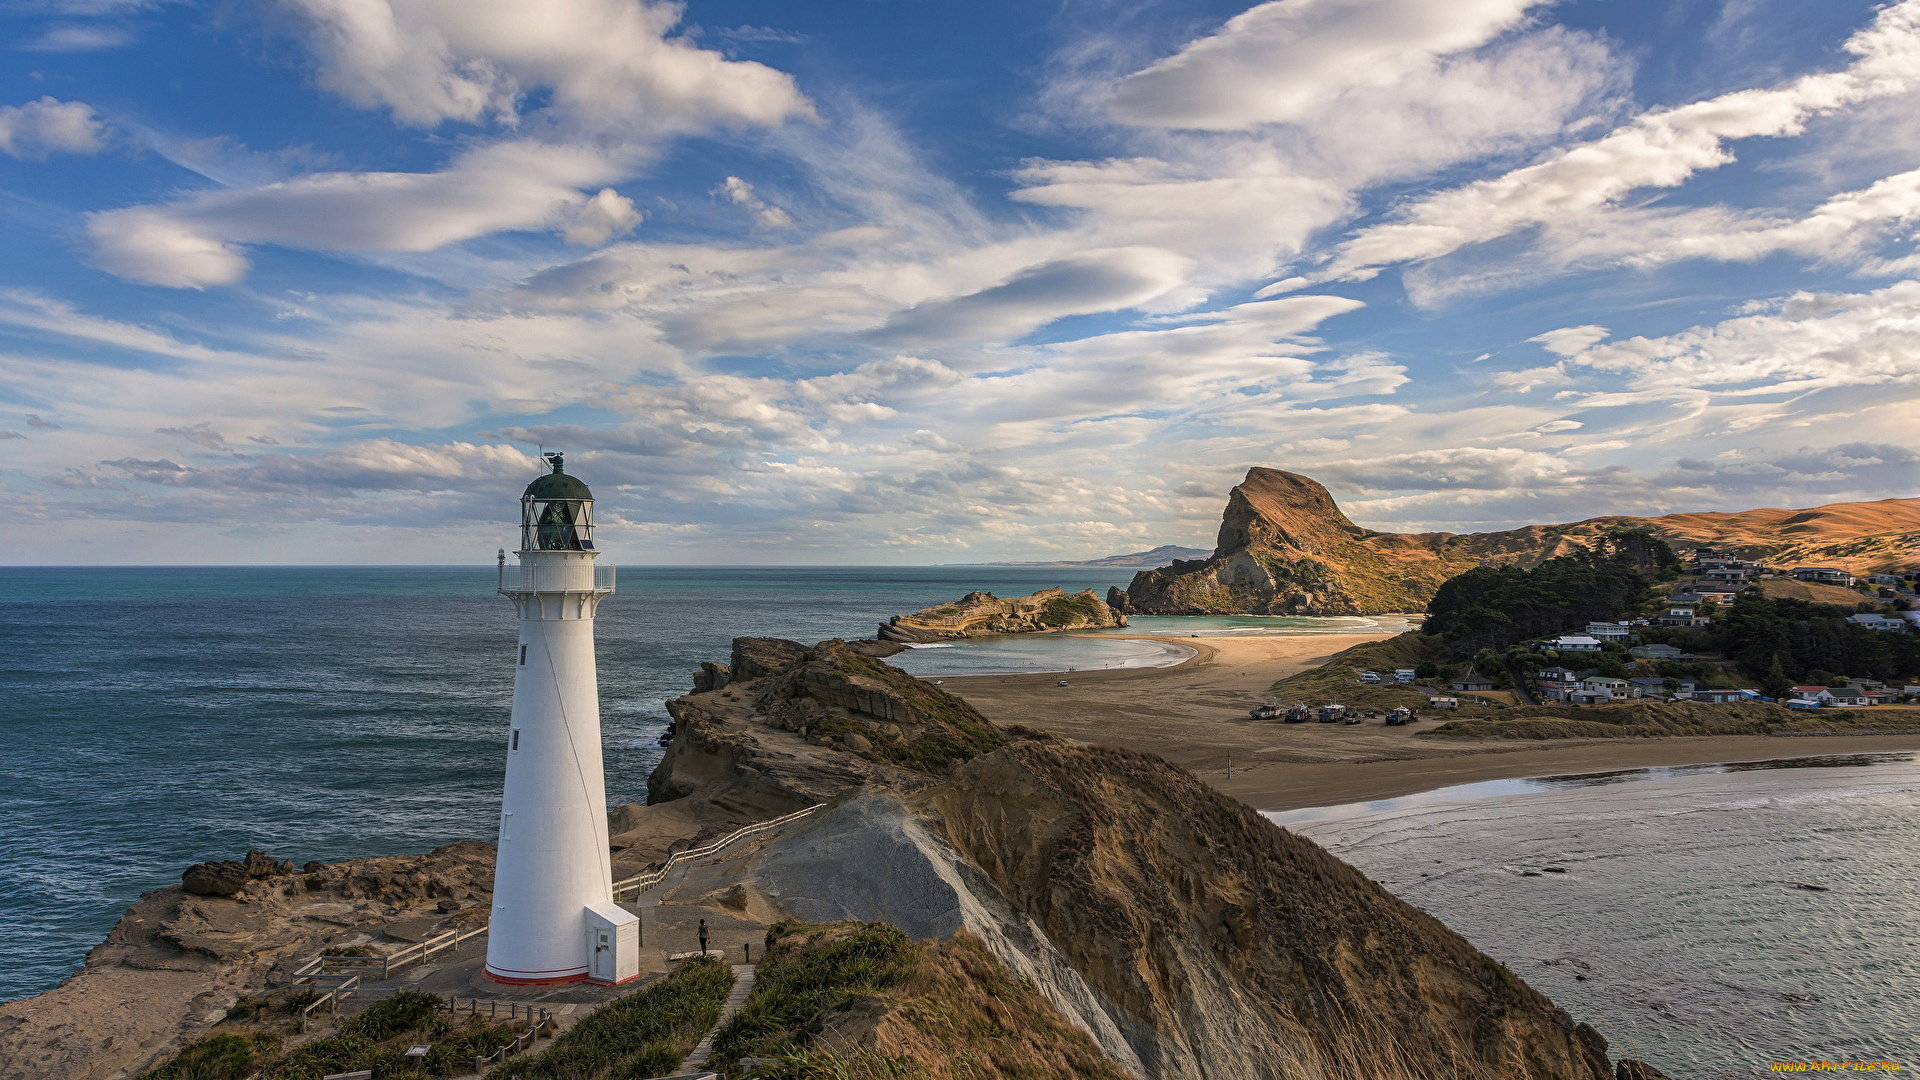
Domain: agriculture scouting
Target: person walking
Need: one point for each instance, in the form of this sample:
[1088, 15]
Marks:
[703, 937]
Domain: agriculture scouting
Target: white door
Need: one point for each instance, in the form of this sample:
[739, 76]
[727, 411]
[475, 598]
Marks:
[600, 964]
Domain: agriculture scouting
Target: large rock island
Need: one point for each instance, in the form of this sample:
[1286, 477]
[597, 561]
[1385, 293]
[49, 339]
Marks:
[978, 614]
[1286, 548]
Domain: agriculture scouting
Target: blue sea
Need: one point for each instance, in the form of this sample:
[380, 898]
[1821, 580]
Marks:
[1708, 919]
[159, 716]
[155, 717]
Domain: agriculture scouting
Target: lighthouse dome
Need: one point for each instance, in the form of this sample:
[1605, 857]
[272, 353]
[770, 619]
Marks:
[556, 484]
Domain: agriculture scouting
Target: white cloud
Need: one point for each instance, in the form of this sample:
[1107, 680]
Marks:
[47, 126]
[1660, 148]
[607, 215]
[609, 64]
[1093, 281]
[1569, 340]
[1808, 341]
[741, 194]
[505, 186]
[79, 37]
[1283, 61]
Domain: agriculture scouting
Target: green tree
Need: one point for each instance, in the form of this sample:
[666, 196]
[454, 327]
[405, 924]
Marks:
[1775, 683]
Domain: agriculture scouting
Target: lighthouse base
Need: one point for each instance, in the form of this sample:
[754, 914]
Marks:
[493, 976]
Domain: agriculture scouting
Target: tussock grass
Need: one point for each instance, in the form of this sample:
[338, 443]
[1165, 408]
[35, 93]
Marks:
[1652, 719]
[1338, 679]
[227, 1056]
[643, 1034]
[858, 1001]
[375, 1039]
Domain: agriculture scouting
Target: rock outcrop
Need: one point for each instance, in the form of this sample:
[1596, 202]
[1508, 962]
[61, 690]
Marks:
[783, 726]
[1285, 548]
[978, 614]
[1187, 936]
[180, 958]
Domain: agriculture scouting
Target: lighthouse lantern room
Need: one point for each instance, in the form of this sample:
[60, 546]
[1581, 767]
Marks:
[554, 919]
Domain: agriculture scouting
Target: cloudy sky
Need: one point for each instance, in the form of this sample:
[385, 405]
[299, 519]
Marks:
[909, 281]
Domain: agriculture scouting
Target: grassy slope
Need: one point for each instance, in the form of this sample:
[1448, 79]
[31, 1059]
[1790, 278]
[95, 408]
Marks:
[375, 1039]
[643, 1034]
[857, 1001]
[1652, 719]
[1338, 680]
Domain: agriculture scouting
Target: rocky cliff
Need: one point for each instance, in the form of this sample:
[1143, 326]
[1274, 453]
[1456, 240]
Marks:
[1285, 548]
[1188, 937]
[183, 955]
[782, 726]
[977, 614]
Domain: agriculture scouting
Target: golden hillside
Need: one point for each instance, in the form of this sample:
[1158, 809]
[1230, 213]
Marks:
[1286, 548]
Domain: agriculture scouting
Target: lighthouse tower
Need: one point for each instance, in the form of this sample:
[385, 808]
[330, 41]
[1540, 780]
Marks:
[554, 919]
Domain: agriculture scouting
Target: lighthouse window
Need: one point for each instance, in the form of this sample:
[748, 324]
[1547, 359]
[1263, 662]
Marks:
[514, 743]
[523, 656]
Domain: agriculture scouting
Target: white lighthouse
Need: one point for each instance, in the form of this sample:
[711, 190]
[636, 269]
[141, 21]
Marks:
[554, 919]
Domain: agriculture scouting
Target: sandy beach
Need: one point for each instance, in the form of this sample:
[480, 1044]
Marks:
[1195, 715]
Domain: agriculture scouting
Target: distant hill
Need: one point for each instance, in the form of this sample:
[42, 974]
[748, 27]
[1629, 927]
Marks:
[1286, 548]
[1163, 555]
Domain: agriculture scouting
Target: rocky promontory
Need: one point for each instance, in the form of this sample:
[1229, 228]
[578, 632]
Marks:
[979, 614]
[1286, 548]
[1072, 904]
[1186, 935]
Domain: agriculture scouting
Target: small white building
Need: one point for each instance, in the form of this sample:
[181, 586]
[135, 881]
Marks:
[1878, 622]
[1575, 643]
[1609, 631]
[1616, 689]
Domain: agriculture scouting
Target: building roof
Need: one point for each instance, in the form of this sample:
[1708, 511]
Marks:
[556, 484]
[1575, 639]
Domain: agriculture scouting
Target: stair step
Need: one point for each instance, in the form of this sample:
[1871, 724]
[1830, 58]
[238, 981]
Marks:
[742, 988]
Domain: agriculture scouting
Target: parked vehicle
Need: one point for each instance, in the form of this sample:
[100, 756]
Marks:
[1264, 712]
[1400, 716]
[1298, 714]
[1332, 714]
[1369, 676]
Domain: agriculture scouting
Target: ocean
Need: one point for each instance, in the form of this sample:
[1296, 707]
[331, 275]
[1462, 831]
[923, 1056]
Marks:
[1709, 920]
[156, 717]
[161, 716]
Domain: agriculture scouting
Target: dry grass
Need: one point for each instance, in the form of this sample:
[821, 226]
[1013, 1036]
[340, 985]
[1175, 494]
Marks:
[1338, 680]
[1652, 719]
[854, 1001]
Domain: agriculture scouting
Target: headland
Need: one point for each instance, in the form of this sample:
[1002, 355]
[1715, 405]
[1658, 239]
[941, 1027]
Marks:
[1195, 715]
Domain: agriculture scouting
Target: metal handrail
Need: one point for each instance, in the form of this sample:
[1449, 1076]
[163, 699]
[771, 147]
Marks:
[520, 579]
[643, 882]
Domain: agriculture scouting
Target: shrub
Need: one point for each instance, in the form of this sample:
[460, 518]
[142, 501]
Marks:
[403, 1012]
[804, 975]
[655, 1026]
[217, 1057]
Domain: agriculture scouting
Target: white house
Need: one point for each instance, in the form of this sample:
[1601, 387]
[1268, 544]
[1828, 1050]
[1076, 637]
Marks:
[1616, 689]
[1877, 622]
[1826, 575]
[1608, 631]
[1680, 615]
[1575, 643]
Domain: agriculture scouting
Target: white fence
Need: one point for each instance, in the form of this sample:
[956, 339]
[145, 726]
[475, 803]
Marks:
[643, 882]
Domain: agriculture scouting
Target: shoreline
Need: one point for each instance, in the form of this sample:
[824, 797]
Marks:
[1194, 714]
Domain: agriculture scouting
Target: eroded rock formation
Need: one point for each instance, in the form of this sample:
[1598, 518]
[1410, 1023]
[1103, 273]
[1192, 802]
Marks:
[1285, 548]
[978, 614]
[180, 957]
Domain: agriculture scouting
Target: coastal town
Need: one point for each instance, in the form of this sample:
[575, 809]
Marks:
[1671, 651]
